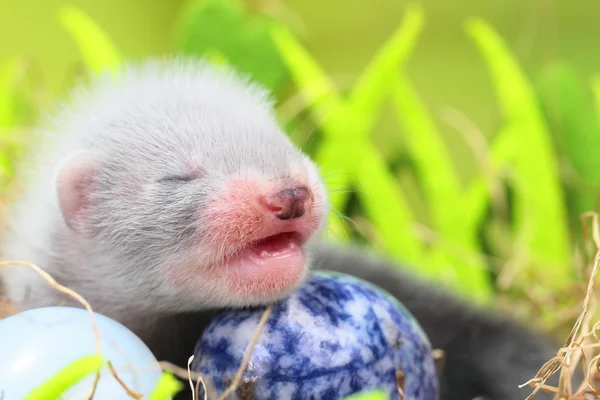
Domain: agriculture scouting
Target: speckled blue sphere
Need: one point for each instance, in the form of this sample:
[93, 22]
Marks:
[333, 337]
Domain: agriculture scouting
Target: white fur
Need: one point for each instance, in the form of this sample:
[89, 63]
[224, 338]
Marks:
[152, 121]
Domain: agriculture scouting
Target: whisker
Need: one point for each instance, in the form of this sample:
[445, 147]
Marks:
[347, 219]
[311, 138]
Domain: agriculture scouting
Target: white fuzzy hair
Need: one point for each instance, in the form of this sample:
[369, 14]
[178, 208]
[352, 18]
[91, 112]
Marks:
[152, 120]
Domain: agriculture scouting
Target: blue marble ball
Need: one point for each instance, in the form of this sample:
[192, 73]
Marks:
[333, 337]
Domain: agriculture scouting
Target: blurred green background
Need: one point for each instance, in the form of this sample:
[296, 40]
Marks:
[483, 138]
[342, 36]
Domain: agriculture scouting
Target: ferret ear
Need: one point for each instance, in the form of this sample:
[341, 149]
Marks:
[73, 185]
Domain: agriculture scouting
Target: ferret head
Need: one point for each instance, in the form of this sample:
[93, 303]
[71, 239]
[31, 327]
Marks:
[182, 179]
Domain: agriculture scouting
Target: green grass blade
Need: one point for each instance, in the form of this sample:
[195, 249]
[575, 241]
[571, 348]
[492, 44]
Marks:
[387, 209]
[334, 168]
[442, 190]
[166, 388]
[372, 395]
[477, 197]
[569, 107]
[94, 44]
[374, 83]
[596, 93]
[440, 181]
[66, 378]
[539, 198]
[314, 83]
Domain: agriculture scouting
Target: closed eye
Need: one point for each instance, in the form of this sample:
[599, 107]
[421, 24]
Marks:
[177, 178]
[191, 174]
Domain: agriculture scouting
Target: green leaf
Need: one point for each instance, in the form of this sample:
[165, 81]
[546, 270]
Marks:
[442, 190]
[95, 45]
[387, 209]
[374, 83]
[440, 181]
[596, 93]
[314, 84]
[66, 378]
[569, 104]
[372, 395]
[231, 29]
[477, 196]
[542, 214]
[166, 388]
[334, 166]
[569, 107]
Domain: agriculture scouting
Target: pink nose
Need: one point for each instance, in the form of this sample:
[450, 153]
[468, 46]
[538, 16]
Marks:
[289, 203]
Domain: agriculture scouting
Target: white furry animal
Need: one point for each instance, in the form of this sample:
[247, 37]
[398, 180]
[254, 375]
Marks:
[172, 191]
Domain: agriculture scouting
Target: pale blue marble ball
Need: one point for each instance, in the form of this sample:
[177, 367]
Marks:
[333, 337]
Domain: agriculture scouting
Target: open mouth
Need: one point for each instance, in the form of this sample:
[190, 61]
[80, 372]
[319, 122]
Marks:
[277, 246]
[267, 266]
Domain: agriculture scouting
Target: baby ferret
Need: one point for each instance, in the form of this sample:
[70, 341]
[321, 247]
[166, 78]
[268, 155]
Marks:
[171, 191]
